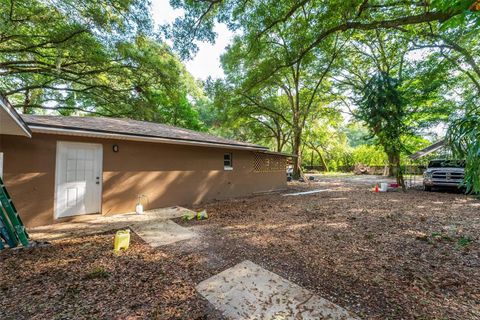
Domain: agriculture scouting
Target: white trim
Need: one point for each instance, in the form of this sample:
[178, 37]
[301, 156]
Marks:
[15, 118]
[55, 196]
[100, 175]
[1, 165]
[119, 136]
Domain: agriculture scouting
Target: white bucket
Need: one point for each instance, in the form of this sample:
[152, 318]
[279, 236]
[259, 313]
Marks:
[139, 208]
[383, 187]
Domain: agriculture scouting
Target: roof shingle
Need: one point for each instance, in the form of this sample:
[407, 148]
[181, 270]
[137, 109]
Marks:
[130, 127]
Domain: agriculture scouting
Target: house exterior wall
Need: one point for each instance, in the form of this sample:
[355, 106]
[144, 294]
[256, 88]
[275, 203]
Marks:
[167, 174]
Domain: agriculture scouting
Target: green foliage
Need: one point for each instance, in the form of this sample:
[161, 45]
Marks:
[92, 57]
[315, 21]
[382, 109]
[413, 143]
[422, 53]
[357, 134]
[274, 109]
[369, 155]
[467, 16]
[464, 138]
[324, 142]
[239, 116]
[291, 69]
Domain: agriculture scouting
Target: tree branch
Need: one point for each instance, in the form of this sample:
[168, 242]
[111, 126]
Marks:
[261, 106]
[379, 24]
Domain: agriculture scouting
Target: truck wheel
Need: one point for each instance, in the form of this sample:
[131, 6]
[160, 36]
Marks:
[427, 188]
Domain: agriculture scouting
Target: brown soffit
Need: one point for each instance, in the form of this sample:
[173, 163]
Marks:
[10, 121]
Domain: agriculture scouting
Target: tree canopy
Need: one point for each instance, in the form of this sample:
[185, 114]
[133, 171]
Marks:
[402, 68]
[94, 57]
[333, 82]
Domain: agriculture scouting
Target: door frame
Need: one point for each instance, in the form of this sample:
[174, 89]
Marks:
[56, 208]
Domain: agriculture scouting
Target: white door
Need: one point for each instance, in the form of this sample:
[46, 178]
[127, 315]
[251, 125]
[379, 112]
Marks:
[78, 178]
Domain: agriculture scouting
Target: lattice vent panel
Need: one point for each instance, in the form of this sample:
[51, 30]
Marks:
[263, 162]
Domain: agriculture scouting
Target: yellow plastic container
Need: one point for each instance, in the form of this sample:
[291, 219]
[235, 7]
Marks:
[122, 240]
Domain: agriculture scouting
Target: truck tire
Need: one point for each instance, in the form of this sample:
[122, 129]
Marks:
[427, 188]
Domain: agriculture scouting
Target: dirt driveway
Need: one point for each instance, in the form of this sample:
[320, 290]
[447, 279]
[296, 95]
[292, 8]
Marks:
[381, 256]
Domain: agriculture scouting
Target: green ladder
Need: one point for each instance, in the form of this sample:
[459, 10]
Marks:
[12, 229]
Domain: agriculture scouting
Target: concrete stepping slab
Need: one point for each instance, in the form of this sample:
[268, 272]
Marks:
[160, 233]
[247, 292]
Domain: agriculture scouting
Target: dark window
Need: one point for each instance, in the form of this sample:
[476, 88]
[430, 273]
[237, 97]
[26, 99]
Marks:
[227, 161]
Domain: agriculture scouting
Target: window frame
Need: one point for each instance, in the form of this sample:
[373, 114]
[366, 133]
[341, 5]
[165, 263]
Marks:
[228, 167]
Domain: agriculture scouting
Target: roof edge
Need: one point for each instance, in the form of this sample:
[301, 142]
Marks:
[134, 137]
[288, 155]
[15, 116]
[428, 150]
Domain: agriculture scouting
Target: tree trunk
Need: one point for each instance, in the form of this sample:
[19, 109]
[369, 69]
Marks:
[26, 102]
[279, 143]
[393, 158]
[296, 151]
[396, 168]
[322, 160]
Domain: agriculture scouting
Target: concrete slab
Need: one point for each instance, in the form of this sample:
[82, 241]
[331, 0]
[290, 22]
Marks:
[162, 233]
[96, 223]
[247, 291]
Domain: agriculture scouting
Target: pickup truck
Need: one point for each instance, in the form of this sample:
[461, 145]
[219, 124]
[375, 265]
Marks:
[444, 174]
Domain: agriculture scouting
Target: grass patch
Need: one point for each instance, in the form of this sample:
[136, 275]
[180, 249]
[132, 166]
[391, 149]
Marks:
[460, 241]
[464, 241]
[97, 273]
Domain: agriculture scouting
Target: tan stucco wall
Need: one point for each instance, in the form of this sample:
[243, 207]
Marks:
[168, 174]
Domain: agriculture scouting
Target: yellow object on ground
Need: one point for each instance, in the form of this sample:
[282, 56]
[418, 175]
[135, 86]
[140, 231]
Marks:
[188, 215]
[122, 240]
[202, 215]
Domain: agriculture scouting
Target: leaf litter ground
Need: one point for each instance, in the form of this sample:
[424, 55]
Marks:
[381, 256]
